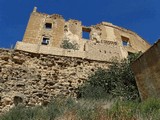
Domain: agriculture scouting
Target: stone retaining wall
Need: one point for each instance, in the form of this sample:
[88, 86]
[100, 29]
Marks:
[34, 79]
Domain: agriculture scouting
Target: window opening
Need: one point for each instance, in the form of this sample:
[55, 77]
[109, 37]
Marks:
[45, 41]
[125, 41]
[86, 33]
[48, 25]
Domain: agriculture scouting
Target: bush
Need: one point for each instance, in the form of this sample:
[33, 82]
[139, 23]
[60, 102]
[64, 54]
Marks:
[66, 44]
[23, 113]
[69, 109]
[53, 110]
[91, 92]
[146, 110]
[116, 81]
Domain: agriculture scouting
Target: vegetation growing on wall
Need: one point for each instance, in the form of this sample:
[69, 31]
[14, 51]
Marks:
[66, 44]
[116, 81]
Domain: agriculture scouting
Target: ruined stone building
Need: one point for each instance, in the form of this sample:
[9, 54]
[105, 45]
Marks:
[47, 33]
[35, 79]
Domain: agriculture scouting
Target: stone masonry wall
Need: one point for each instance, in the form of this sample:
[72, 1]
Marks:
[147, 72]
[34, 79]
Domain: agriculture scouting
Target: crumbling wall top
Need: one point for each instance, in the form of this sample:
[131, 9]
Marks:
[55, 16]
[120, 28]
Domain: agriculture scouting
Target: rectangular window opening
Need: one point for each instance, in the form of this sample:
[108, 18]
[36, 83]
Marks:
[48, 25]
[125, 41]
[86, 33]
[45, 41]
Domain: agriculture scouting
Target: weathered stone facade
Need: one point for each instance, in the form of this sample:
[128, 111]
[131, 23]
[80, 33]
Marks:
[46, 33]
[35, 79]
[147, 72]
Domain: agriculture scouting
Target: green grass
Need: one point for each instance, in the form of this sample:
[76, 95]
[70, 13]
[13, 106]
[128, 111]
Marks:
[83, 109]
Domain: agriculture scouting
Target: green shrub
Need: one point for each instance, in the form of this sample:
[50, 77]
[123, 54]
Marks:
[23, 113]
[117, 81]
[85, 109]
[92, 92]
[127, 109]
[146, 110]
[66, 44]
